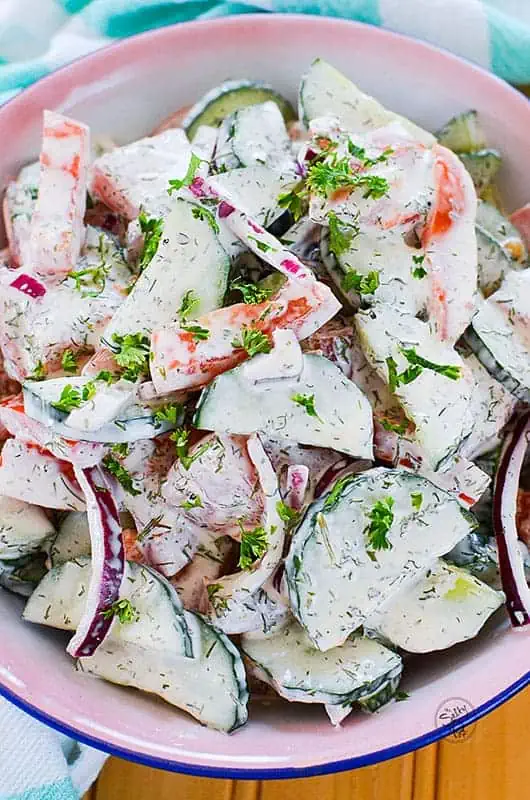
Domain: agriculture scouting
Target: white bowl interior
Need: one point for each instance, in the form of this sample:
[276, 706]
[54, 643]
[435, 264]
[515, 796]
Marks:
[125, 92]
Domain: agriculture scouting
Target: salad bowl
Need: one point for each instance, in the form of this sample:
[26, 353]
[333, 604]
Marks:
[126, 90]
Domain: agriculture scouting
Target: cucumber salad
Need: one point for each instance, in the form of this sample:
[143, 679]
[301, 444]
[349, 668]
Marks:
[264, 398]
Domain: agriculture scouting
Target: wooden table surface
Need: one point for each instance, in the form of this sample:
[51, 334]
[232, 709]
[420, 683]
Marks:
[490, 764]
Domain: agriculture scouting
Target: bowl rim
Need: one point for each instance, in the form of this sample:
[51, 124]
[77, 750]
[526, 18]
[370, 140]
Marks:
[330, 767]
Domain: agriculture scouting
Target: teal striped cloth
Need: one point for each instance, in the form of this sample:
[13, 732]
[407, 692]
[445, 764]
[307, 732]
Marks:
[37, 36]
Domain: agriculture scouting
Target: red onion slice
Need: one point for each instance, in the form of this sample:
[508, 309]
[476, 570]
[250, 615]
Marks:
[504, 510]
[108, 561]
[296, 484]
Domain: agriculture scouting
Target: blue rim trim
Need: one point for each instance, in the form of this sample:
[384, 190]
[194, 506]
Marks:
[274, 774]
[330, 767]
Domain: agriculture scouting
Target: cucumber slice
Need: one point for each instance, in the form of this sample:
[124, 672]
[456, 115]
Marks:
[353, 672]
[492, 221]
[324, 90]
[483, 166]
[498, 334]
[463, 133]
[72, 540]
[235, 403]
[23, 528]
[221, 101]
[189, 257]
[441, 408]
[259, 137]
[493, 262]
[446, 606]
[130, 424]
[478, 554]
[152, 652]
[336, 577]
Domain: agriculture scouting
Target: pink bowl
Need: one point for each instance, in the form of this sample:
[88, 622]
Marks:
[125, 90]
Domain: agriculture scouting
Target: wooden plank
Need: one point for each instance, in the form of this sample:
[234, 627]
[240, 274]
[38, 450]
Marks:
[489, 765]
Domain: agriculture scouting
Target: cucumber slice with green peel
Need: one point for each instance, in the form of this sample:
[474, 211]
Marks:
[373, 533]
[381, 696]
[189, 258]
[354, 672]
[72, 540]
[320, 408]
[446, 606]
[221, 101]
[164, 650]
[463, 133]
[24, 528]
[324, 90]
[160, 623]
[255, 190]
[130, 424]
[498, 336]
[494, 262]
[483, 166]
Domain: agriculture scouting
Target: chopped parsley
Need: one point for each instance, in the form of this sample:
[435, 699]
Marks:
[400, 696]
[123, 609]
[287, 514]
[172, 413]
[381, 518]
[152, 229]
[293, 201]
[218, 603]
[307, 401]
[418, 271]
[106, 377]
[199, 334]
[341, 234]
[400, 428]
[119, 472]
[416, 499]
[131, 352]
[360, 153]
[176, 183]
[189, 303]
[72, 396]
[95, 277]
[253, 545]
[326, 176]
[39, 372]
[262, 246]
[364, 284]
[193, 502]
[69, 361]
[121, 449]
[181, 438]
[448, 371]
[199, 212]
[253, 341]
[252, 294]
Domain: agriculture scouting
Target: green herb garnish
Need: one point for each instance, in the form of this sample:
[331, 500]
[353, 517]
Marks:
[253, 545]
[152, 229]
[293, 201]
[400, 696]
[121, 449]
[189, 303]
[95, 276]
[176, 183]
[381, 518]
[68, 361]
[39, 372]
[193, 502]
[400, 428]
[418, 271]
[341, 234]
[181, 438]
[262, 246]
[172, 413]
[448, 371]
[360, 153]
[335, 494]
[132, 354]
[218, 603]
[326, 176]
[307, 401]
[106, 377]
[287, 514]
[123, 477]
[72, 397]
[416, 499]
[364, 284]
[199, 334]
[252, 294]
[199, 212]
[123, 609]
[253, 341]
